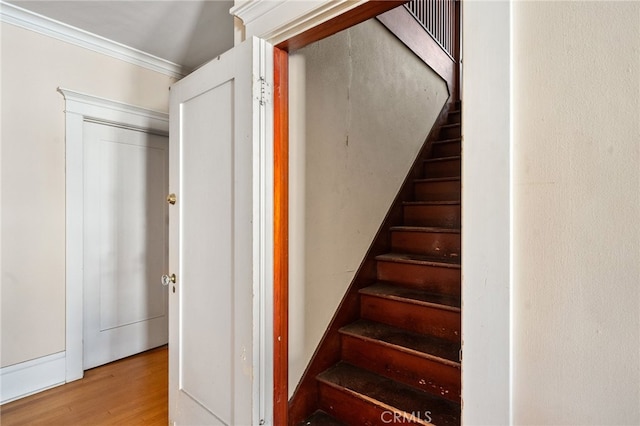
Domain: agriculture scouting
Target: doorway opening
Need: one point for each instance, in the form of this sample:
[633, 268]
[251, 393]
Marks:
[123, 138]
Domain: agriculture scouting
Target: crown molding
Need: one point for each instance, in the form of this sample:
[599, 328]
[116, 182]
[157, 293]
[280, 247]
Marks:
[23, 18]
[249, 10]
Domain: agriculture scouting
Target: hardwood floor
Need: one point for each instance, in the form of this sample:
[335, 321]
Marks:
[132, 391]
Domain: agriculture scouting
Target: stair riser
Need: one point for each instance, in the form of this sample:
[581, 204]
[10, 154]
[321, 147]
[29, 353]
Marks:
[448, 149]
[437, 191]
[454, 117]
[420, 319]
[433, 279]
[450, 132]
[354, 410]
[443, 168]
[441, 244]
[422, 373]
[444, 216]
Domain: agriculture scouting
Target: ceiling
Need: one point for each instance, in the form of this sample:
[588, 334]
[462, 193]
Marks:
[186, 32]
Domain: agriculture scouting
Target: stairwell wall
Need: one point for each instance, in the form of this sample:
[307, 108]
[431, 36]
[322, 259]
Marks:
[361, 106]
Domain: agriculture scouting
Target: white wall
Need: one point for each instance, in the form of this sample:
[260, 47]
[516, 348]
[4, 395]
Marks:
[486, 209]
[576, 93]
[33, 176]
[571, 353]
[361, 107]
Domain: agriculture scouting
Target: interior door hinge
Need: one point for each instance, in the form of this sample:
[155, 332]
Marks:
[263, 91]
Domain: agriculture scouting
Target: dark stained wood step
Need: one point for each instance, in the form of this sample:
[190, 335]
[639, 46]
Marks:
[412, 295]
[360, 397]
[446, 148]
[417, 259]
[454, 116]
[450, 131]
[412, 309]
[320, 418]
[423, 345]
[436, 242]
[424, 362]
[442, 167]
[435, 275]
[444, 189]
[443, 214]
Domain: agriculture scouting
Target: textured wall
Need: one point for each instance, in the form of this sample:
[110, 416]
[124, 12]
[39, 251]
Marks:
[552, 143]
[576, 212]
[361, 107]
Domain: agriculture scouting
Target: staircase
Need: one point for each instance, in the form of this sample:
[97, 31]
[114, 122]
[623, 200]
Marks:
[399, 361]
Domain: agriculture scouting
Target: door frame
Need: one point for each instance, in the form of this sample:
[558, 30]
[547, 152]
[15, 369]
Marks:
[81, 107]
[319, 21]
[296, 26]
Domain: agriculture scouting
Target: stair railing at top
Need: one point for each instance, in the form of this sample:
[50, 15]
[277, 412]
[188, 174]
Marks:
[438, 17]
[431, 29]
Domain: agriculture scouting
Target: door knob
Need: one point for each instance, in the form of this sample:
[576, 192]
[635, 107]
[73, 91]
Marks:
[171, 199]
[168, 279]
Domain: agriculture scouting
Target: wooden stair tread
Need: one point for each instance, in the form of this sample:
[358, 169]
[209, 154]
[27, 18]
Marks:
[432, 203]
[450, 125]
[438, 179]
[413, 295]
[431, 347]
[451, 140]
[417, 259]
[391, 395]
[320, 418]
[427, 229]
[452, 158]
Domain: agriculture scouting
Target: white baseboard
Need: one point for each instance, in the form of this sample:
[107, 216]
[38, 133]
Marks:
[27, 378]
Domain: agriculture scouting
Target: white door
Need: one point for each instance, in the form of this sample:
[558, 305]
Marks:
[125, 242]
[220, 332]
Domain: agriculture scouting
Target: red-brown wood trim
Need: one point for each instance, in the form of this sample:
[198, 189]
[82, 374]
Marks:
[457, 47]
[281, 235]
[404, 26]
[346, 20]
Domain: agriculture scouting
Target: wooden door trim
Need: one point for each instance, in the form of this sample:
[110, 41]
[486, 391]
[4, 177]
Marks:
[281, 235]
[341, 22]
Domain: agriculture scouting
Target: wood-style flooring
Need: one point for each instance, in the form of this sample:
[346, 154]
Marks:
[132, 391]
